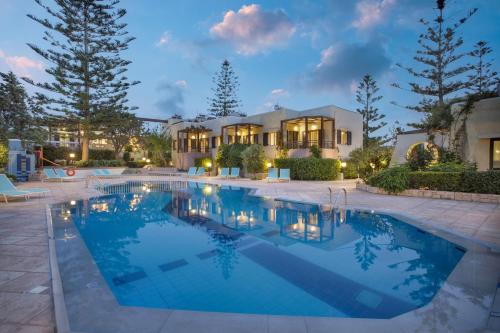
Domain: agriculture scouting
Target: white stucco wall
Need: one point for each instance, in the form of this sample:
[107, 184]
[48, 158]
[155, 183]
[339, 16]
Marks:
[271, 122]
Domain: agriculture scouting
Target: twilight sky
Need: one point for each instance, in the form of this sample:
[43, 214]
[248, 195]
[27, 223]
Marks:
[300, 53]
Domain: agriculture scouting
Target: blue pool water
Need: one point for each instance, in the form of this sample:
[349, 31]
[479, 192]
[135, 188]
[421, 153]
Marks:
[206, 248]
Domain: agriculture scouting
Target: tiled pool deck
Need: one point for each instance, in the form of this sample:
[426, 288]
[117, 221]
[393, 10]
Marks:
[462, 305]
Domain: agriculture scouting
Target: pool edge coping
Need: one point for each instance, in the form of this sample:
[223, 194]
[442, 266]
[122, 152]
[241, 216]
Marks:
[60, 311]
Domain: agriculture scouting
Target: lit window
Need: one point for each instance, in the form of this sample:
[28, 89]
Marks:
[272, 139]
[495, 158]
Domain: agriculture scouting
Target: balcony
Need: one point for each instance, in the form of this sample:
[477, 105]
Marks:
[305, 132]
[193, 139]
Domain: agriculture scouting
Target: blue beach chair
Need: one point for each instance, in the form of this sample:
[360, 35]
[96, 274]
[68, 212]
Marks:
[272, 174]
[7, 189]
[284, 175]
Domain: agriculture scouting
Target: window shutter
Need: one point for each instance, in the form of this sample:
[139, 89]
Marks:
[265, 139]
[349, 138]
[339, 137]
[174, 145]
[213, 141]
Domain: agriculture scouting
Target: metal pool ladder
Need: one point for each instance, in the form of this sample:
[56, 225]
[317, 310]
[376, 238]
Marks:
[338, 193]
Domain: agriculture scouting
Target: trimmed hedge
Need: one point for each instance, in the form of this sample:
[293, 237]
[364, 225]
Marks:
[310, 168]
[487, 182]
[99, 163]
[53, 153]
[392, 180]
[438, 181]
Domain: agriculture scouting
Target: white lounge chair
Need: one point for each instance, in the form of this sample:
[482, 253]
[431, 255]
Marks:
[7, 189]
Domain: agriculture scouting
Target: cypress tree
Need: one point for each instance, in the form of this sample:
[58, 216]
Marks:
[225, 101]
[366, 95]
[85, 40]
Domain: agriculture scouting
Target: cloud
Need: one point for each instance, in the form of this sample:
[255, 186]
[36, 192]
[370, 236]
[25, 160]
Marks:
[21, 65]
[253, 30]
[277, 93]
[371, 12]
[173, 100]
[164, 39]
[341, 65]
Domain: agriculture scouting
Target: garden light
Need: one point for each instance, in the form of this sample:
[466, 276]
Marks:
[343, 164]
[269, 164]
[72, 155]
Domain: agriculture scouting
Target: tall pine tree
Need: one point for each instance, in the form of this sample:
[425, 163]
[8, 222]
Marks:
[442, 68]
[85, 40]
[225, 101]
[366, 95]
[483, 80]
[20, 117]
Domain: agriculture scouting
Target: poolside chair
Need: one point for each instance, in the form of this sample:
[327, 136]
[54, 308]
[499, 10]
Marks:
[105, 173]
[191, 172]
[284, 175]
[272, 174]
[62, 174]
[235, 173]
[7, 189]
[200, 172]
[97, 173]
[224, 173]
[51, 174]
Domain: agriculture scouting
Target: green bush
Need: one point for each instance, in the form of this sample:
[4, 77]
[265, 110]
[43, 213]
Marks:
[310, 168]
[202, 161]
[350, 171]
[451, 167]
[98, 163]
[126, 156]
[369, 160]
[315, 151]
[481, 182]
[392, 180]
[136, 164]
[4, 155]
[101, 154]
[434, 180]
[253, 159]
[420, 158]
[229, 156]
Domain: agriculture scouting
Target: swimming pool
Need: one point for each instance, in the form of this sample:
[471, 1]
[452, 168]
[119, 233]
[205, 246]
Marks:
[192, 246]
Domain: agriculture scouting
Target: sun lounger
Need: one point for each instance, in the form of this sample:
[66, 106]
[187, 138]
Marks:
[200, 172]
[224, 173]
[284, 175]
[235, 173]
[272, 174]
[191, 172]
[7, 189]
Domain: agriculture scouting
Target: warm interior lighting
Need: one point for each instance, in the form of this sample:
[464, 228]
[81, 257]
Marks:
[193, 137]
[203, 136]
[238, 133]
[296, 128]
[314, 127]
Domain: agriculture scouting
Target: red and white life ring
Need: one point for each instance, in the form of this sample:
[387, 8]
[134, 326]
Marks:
[70, 172]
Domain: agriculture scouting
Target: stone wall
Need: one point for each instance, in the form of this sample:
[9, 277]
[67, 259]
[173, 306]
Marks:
[459, 196]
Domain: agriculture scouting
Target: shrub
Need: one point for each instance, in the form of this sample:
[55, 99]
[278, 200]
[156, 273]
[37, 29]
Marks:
[98, 163]
[310, 168]
[350, 171]
[481, 182]
[467, 181]
[136, 164]
[126, 156]
[420, 158]
[315, 151]
[101, 154]
[434, 180]
[369, 160]
[202, 161]
[4, 155]
[230, 155]
[392, 180]
[53, 153]
[451, 167]
[253, 159]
